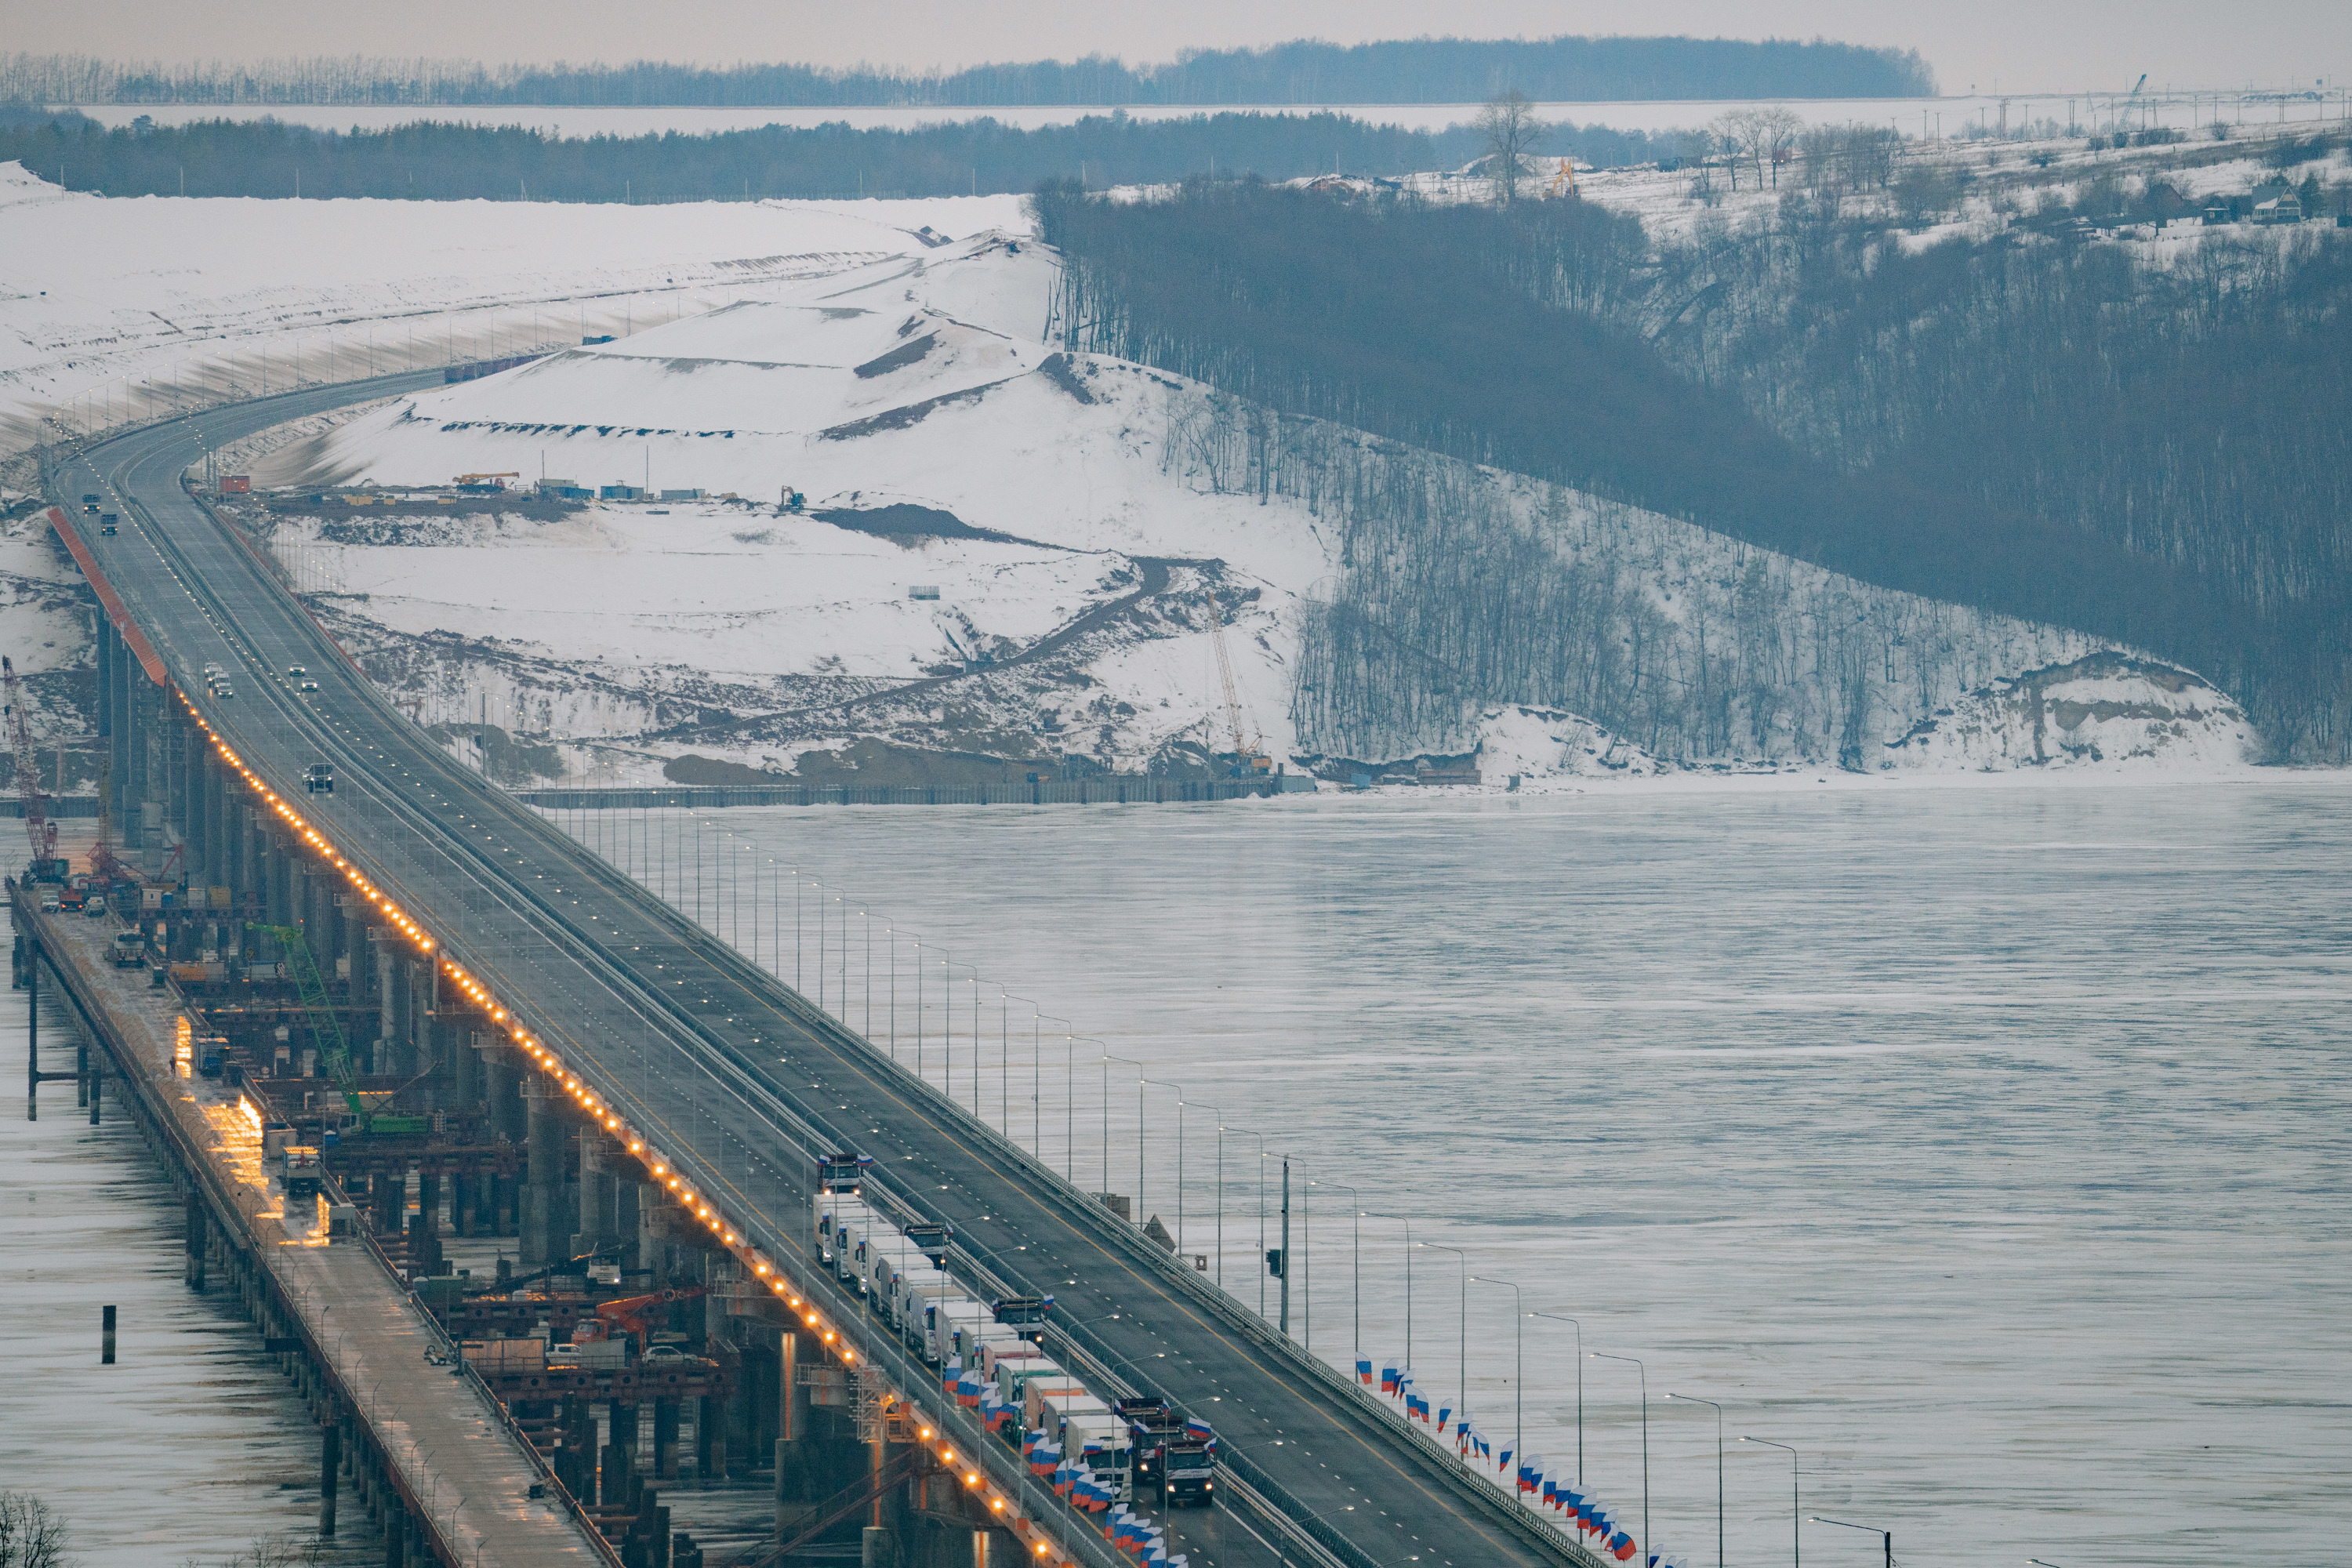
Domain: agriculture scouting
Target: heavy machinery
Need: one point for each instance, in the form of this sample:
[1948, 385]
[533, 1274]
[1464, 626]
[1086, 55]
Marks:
[46, 867]
[626, 1317]
[327, 1035]
[1250, 759]
[1564, 183]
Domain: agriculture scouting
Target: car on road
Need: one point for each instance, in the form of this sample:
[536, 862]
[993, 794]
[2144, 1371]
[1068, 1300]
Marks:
[666, 1352]
[297, 671]
[90, 501]
[308, 686]
[106, 523]
[319, 779]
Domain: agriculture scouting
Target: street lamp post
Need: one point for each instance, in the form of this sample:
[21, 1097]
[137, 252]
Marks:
[1604, 1355]
[1107, 1059]
[1260, 1139]
[1555, 1317]
[1179, 1156]
[1872, 1528]
[1519, 1365]
[1356, 1262]
[1710, 1403]
[1462, 1368]
[1037, 1078]
[1069, 1105]
[1219, 1113]
[1796, 1525]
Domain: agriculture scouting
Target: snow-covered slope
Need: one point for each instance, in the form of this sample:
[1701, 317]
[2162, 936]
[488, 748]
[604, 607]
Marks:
[1085, 523]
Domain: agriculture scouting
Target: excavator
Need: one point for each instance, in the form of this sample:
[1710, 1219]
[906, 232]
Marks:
[1564, 183]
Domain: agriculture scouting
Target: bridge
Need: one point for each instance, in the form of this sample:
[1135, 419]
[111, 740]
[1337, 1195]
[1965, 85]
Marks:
[491, 960]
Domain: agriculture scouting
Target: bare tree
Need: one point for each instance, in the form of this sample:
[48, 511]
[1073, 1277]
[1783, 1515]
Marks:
[1776, 132]
[1739, 133]
[1510, 128]
[30, 1535]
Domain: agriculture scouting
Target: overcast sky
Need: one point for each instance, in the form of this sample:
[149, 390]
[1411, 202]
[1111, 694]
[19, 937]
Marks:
[2020, 44]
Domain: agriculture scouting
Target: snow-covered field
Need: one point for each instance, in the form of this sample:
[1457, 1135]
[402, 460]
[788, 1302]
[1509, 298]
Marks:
[890, 362]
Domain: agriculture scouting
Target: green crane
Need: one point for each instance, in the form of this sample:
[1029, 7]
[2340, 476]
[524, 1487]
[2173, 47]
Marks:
[327, 1035]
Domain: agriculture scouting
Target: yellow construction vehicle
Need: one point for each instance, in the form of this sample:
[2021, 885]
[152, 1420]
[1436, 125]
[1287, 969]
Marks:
[1564, 183]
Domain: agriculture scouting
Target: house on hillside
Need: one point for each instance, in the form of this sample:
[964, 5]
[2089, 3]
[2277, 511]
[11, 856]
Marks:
[2283, 207]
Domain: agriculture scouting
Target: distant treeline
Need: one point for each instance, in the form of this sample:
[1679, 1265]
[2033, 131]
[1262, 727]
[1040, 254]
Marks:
[1565, 70]
[439, 161]
[2159, 456]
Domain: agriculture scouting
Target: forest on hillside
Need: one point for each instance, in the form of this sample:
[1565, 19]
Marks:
[1565, 70]
[431, 161]
[2049, 429]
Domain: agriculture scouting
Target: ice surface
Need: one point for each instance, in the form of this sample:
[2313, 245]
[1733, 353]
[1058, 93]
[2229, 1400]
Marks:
[1985, 1144]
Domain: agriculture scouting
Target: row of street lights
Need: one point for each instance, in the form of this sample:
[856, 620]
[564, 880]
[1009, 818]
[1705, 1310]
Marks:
[1184, 1103]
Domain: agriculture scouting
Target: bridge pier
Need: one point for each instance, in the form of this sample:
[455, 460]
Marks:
[543, 1193]
[155, 778]
[386, 966]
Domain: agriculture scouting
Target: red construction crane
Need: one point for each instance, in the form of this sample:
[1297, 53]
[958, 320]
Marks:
[37, 825]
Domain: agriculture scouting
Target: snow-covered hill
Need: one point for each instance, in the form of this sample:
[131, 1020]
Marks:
[1084, 524]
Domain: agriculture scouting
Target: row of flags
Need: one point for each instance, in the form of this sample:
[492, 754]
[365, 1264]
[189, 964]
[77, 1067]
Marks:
[1536, 1482]
[1585, 1511]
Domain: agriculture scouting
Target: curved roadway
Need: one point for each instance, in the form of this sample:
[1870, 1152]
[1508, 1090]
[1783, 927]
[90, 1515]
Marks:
[713, 1055]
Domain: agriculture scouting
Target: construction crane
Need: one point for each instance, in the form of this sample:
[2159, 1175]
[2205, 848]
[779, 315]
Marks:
[326, 1037]
[37, 825]
[1564, 183]
[1250, 759]
[485, 479]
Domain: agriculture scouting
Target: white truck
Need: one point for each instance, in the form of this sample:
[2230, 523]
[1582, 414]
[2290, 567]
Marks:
[838, 1216]
[1014, 1374]
[916, 1296]
[1094, 1435]
[302, 1171]
[947, 1316]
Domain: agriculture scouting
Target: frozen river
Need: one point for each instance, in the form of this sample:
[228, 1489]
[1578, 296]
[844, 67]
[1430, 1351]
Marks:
[1987, 1145]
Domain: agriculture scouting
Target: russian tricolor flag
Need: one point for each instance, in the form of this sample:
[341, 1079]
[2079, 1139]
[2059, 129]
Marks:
[1199, 1430]
[1389, 1377]
[1364, 1370]
[1621, 1547]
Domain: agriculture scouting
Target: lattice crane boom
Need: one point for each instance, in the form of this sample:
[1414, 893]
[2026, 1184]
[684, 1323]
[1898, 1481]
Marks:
[37, 825]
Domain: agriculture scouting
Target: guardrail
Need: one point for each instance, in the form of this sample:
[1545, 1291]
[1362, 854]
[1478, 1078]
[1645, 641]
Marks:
[741, 1081]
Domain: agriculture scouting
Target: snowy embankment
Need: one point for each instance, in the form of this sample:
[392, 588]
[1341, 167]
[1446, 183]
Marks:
[1084, 525]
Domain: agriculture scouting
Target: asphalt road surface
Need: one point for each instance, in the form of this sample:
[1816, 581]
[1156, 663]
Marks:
[741, 1079]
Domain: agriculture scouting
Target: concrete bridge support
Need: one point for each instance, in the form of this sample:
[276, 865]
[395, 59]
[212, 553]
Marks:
[543, 1193]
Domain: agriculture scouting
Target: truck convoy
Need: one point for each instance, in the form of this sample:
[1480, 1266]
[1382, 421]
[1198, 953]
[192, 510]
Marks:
[1098, 1452]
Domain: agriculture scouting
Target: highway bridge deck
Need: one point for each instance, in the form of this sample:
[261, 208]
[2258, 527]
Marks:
[726, 1072]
